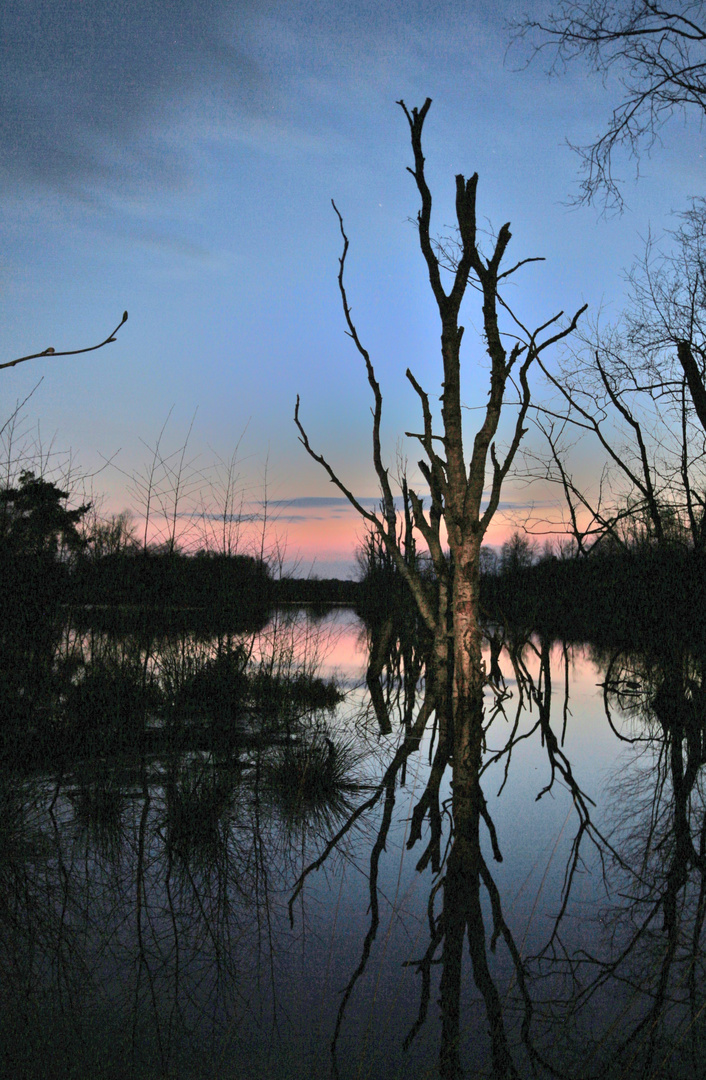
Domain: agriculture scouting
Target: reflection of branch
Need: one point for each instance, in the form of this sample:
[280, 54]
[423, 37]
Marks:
[423, 966]
[429, 803]
[667, 699]
[540, 694]
[410, 744]
[381, 643]
[378, 848]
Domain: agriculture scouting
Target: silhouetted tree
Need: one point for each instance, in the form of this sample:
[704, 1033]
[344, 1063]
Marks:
[115, 535]
[638, 387]
[34, 520]
[518, 553]
[667, 316]
[457, 488]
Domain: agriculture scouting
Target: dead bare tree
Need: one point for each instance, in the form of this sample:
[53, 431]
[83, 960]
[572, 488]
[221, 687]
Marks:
[457, 489]
[464, 498]
[67, 352]
[658, 50]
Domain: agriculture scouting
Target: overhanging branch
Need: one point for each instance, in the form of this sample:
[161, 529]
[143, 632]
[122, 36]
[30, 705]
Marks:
[67, 352]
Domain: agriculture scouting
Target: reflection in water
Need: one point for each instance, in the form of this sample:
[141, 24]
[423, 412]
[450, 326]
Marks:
[213, 879]
[530, 1030]
[659, 854]
[149, 909]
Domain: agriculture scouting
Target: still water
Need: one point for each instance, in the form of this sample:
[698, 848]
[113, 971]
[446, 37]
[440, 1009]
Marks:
[196, 913]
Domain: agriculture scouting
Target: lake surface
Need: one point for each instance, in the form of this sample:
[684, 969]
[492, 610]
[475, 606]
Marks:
[182, 912]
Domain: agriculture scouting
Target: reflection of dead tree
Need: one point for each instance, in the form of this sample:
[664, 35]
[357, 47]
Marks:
[539, 694]
[535, 693]
[386, 787]
[381, 644]
[397, 636]
[454, 906]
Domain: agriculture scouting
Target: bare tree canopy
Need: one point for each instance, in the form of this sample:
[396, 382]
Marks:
[638, 387]
[657, 50]
[67, 352]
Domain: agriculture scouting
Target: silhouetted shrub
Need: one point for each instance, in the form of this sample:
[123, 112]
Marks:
[109, 705]
[219, 687]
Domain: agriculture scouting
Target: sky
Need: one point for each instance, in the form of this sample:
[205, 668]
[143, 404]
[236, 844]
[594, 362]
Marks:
[178, 160]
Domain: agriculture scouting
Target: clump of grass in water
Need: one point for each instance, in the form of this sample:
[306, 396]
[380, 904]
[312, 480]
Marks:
[99, 805]
[224, 684]
[314, 781]
[216, 684]
[21, 837]
[108, 706]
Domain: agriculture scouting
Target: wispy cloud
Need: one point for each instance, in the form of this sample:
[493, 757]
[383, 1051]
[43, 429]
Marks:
[89, 88]
[310, 502]
[306, 508]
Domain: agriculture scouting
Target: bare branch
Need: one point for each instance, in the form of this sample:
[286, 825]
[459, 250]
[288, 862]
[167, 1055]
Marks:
[68, 352]
[380, 469]
[659, 55]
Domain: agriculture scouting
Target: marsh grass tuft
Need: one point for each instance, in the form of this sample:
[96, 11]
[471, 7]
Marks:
[282, 694]
[314, 781]
[99, 804]
[217, 685]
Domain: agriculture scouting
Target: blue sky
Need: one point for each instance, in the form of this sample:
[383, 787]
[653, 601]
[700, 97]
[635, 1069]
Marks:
[178, 160]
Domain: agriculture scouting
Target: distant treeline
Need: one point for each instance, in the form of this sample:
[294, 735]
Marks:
[148, 578]
[616, 590]
[141, 578]
[202, 580]
[158, 579]
[315, 591]
[618, 596]
[51, 553]
[47, 556]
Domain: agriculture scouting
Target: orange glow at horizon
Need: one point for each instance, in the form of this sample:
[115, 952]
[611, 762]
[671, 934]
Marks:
[337, 537]
[309, 539]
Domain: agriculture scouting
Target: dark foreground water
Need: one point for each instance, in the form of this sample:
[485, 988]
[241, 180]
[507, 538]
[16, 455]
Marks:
[182, 912]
